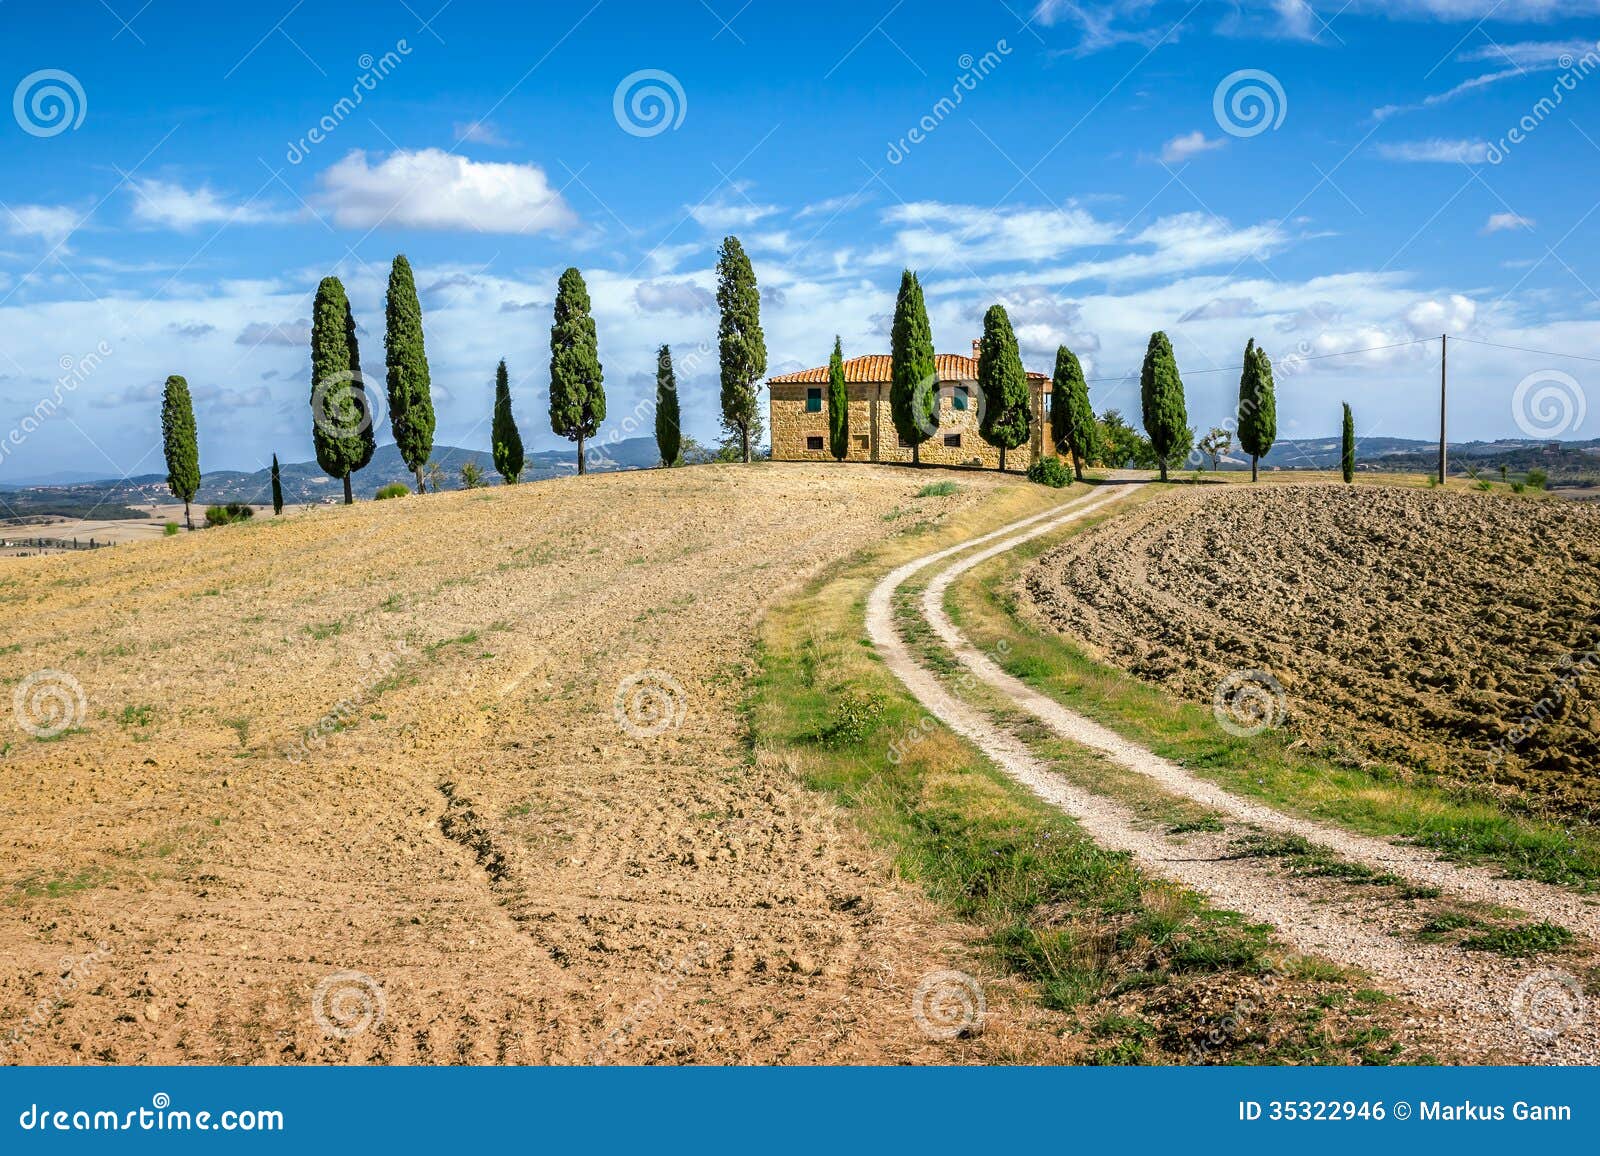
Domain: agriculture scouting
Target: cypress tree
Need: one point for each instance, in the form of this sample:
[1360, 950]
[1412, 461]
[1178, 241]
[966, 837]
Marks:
[277, 488]
[505, 440]
[838, 405]
[1166, 421]
[577, 389]
[339, 408]
[405, 359]
[742, 349]
[1258, 405]
[181, 442]
[669, 438]
[1347, 447]
[913, 372]
[1004, 384]
[1072, 424]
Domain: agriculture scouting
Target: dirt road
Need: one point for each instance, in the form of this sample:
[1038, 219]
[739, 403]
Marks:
[1482, 1001]
[459, 778]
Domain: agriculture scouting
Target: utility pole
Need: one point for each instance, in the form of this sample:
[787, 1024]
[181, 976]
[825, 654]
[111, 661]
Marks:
[1444, 353]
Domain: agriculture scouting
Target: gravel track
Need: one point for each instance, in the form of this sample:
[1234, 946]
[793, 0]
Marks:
[1471, 994]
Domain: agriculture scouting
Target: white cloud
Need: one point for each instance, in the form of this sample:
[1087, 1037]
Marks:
[50, 223]
[1439, 315]
[433, 189]
[481, 132]
[674, 297]
[1531, 53]
[1500, 221]
[834, 206]
[1437, 151]
[1181, 148]
[167, 204]
[969, 234]
[730, 212]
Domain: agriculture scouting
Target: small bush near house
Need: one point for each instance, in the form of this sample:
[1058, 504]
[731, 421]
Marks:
[1050, 472]
[1537, 479]
[226, 515]
[392, 490]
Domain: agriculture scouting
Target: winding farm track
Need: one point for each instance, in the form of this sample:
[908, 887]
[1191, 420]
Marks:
[1472, 994]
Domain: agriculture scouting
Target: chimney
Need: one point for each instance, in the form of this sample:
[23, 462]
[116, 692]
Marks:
[975, 344]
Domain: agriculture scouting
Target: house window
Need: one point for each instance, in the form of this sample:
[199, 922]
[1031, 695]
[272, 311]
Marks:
[862, 442]
[814, 401]
[953, 441]
[958, 397]
[814, 443]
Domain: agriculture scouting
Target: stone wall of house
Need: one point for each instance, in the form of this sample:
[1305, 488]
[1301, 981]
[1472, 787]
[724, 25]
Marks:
[956, 443]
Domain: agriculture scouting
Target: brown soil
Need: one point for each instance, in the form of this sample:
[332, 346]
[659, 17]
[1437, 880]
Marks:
[470, 859]
[1410, 627]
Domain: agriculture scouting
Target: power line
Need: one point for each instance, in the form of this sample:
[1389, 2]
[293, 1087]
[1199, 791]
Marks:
[1525, 349]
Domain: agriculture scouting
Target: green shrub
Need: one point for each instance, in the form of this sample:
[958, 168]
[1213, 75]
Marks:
[171, 529]
[1537, 479]
[938, 490]
[472, 475]
[1485, 484]
[855, 717]
[1050, 472]
[392, 490]
[226, 515]
[1518, 487]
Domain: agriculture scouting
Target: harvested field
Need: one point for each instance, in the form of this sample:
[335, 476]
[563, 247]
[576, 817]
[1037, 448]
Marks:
[1446, 634]
[451, 779]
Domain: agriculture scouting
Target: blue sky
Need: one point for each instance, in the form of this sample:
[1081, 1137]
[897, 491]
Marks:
[173, 211]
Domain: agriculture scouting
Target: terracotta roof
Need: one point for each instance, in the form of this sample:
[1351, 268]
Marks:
[874, 367]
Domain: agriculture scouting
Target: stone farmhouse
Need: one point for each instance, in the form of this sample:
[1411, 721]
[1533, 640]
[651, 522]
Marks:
[799, 416]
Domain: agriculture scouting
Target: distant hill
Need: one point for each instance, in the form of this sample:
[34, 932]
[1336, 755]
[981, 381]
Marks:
[305, 481]
[1566, 462]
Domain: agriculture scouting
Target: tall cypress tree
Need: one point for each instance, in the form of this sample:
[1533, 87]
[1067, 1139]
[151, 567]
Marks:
[742, 348]
[504, 438]
[277, 488]
[1004, 384]
[405, 359]
[366, 431]
[838, 405]
[1166, 420]
[181, 442]
[1258, 405]
[577, 382]
[669, 438]
[1072, 424]
[913, 369]
[338, 404]
[1347, 447]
